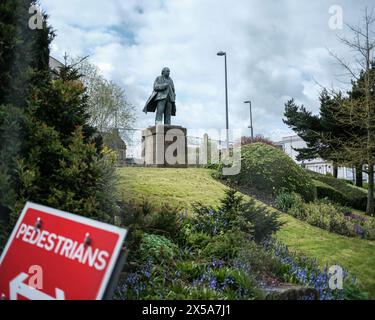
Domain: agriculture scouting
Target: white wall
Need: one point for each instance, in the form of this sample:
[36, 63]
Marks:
[316, 165]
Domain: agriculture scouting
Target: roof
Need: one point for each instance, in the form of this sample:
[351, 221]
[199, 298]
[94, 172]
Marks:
[55, 64]
[112, 139]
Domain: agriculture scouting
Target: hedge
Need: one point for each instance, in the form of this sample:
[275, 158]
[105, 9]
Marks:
[269, 169]
[342, 193]
[323, 190]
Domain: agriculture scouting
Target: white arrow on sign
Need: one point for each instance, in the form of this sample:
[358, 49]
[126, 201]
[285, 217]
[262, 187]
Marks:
[16, 286]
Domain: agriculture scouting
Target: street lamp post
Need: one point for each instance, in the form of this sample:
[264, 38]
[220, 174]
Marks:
[251, 121]
[221, 53]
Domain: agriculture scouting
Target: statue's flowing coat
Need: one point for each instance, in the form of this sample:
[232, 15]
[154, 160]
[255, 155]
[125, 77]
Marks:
[162, 90]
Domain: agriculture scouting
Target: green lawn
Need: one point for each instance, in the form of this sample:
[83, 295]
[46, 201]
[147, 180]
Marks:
[184, 186]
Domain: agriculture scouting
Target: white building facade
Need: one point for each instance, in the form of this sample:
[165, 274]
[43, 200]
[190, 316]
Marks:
[288, 144]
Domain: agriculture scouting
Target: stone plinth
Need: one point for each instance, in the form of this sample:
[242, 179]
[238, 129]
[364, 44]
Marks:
[165, 146]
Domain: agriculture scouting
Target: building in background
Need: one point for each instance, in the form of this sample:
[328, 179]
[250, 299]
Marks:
[290, 143]
[113, 140]
[55, 65]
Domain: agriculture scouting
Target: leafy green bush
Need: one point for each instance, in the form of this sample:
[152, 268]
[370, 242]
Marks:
[334, 218]
[165, 221]
[259, 261]
[323, 191]
[225, 246]
[198, 240]
[270, 170]
[143, 217]
[190, 270]
[346, 181]
[326, 217]
[343, 193]
[368, 228]
[286, 200]
[157, 248]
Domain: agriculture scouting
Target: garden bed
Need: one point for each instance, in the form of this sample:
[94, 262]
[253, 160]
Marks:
[158, 185]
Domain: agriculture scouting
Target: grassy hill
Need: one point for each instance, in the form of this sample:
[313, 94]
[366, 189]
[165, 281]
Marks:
[184, 186]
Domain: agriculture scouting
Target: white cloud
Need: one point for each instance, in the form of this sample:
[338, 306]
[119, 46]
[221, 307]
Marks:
[276, 50]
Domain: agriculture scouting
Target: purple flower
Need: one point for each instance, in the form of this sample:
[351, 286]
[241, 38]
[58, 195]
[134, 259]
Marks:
[213, 284]
[359, 230]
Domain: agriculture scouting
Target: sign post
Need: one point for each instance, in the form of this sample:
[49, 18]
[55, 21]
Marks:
[55, 255]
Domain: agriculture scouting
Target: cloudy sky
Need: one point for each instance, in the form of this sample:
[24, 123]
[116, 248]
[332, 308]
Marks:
[276, 50]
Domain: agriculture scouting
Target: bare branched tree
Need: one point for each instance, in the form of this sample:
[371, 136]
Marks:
[358, 109]
[109, 107]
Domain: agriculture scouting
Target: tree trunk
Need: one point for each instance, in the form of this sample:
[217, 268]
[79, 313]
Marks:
[370, 194]
[359, 176]
[335, 170]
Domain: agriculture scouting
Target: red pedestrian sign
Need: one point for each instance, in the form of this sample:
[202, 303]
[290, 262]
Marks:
[55, 255]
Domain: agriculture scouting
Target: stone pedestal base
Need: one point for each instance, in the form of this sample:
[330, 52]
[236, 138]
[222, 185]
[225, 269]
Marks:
[165, 146]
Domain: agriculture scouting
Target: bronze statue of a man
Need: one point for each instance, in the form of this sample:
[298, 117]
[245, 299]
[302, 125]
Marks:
[162, 99]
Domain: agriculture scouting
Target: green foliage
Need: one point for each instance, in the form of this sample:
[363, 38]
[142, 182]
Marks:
[179, 291]
[265, 222]
[142, 218]
[74, 178]
[334, 218]
[213, 166]
[346, 181]
[257, 139]
[259, 261]
[198, 240]
[157, 248]
[235, 213]
[163, 268]
[3, 237]
[225, 246]
[312, 127]
[270, 170]
[324, 191]
[326, 216]
[343, 193]
[8, 32]
[286, 200]
[49, 154]
[24, 53]
[354, 292]
[242, 285]
[190, 270]
[166, 221]
[303, 270]
[314, 242]
[63, 164]
[24, 64]
[207, 263]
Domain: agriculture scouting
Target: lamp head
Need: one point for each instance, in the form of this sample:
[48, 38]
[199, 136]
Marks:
[221, 53]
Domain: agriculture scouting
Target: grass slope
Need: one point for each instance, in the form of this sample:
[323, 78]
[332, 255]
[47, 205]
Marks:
[184, 186]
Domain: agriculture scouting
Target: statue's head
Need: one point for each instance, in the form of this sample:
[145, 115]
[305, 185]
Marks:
[165, 72]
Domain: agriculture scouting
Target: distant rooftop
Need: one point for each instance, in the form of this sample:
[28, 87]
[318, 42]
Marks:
[55, 64]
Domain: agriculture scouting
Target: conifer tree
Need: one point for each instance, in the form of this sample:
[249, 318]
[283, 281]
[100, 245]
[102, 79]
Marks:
[49, 154]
